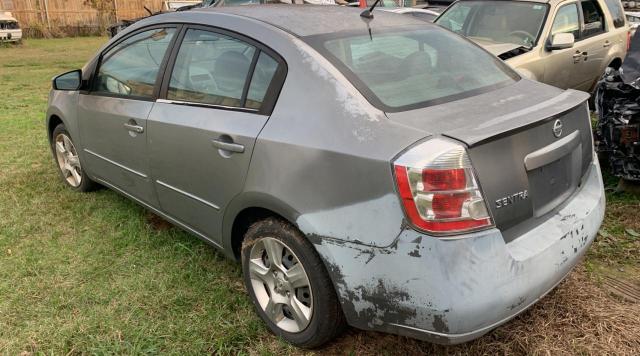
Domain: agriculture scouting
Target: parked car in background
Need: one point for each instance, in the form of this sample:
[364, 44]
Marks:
[10, 30]
[633, 18]
[565, 43]
[382, 173]
[422, 14]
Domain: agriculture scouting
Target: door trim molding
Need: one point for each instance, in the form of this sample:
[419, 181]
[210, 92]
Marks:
[162, 214]
[188, 195]
[116, 164]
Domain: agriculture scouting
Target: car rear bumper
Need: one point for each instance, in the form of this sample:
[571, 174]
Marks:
[452, 291]
[10, 35]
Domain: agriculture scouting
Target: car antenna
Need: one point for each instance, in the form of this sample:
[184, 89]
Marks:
[368, 13]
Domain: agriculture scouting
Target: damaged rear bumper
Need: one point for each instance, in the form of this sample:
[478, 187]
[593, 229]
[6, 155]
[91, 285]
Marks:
[452, 291]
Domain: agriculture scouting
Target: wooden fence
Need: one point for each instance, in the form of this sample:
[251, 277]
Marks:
[46, 18]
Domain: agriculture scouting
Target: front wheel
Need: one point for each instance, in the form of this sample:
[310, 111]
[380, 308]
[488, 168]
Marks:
[289, 285]
[68, 160]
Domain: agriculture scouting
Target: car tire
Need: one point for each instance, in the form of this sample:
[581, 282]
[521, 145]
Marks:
[311, 315]
[68, 161]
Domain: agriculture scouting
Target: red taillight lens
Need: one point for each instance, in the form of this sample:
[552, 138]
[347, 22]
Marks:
[443, 179]
[438, 188]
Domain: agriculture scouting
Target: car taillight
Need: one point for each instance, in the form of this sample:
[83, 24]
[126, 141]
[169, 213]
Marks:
[439, 190]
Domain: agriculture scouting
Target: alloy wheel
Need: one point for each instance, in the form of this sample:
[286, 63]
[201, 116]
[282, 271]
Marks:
[68, 160]
[281, 285]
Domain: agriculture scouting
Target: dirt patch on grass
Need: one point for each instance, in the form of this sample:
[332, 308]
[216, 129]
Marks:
[156, 222]
[577, 318]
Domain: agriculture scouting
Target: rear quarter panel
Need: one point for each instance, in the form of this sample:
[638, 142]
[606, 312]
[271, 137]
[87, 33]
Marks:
[617, 37]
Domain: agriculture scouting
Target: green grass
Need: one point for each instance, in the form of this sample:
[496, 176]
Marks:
[89, 273]
[93, 273]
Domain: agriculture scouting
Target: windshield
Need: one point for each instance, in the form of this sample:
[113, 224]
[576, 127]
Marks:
[496, 21]
[417, 67]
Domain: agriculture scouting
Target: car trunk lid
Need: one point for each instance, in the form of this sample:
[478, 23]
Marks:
[524, 169]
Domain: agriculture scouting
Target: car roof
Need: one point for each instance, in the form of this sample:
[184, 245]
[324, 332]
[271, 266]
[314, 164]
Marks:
[309, 20]
[7, 16]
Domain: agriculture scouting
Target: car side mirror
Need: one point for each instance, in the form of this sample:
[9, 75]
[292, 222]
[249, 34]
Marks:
[68, 81]
[561, 41]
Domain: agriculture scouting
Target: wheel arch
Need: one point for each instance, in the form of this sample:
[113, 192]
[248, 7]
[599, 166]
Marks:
[247, 209]
[615, 63]
[53, 120]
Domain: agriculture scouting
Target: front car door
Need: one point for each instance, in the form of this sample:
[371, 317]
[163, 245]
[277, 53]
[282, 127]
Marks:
[113, 114]
[562, 66]
[217, 95]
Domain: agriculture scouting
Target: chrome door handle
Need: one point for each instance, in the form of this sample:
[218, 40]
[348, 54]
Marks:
[606, 43]
[134, 128]
[228, 146]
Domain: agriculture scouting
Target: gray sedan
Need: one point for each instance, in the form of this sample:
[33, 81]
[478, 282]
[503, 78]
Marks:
[382, 173]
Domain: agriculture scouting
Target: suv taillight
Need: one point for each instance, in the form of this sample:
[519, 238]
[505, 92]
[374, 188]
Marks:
[439, 190]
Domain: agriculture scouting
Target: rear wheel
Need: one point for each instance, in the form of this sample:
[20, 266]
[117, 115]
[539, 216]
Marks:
[68, 160]
[289, 285]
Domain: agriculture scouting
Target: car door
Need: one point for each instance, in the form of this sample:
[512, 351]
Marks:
[592, 46]
[562, 66]
[113, 113]
[216, 97]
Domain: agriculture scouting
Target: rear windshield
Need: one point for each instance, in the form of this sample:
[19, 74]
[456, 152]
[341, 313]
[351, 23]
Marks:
[410, 68]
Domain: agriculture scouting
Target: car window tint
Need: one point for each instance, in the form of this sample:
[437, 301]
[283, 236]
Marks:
[131, 67]
[593, 18]
[567, 21]
[412, 67]
[263, 74]
[617, 12]
[210, 68]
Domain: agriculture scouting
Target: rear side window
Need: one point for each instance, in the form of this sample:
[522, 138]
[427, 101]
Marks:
[593, 18]
[566, 21]
[617, 12]
[216, 69]
[262, 76]
[131, 67]
[211, 68]
[405, 69]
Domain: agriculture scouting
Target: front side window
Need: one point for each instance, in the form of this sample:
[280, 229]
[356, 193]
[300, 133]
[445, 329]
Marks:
[211, 68]
[493, 22]
[566, 21]
[406, 68]
[593, 18]
[131, 67]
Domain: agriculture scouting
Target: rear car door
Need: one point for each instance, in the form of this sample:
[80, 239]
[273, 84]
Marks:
[592, 46]
[113, 113]
[562, 66]
[217, 94]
